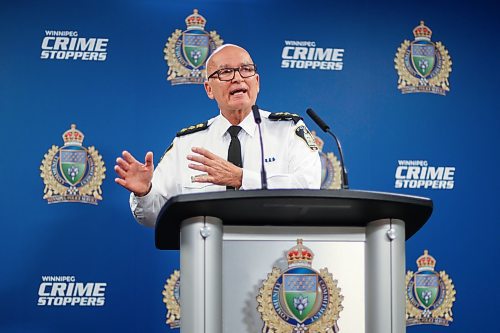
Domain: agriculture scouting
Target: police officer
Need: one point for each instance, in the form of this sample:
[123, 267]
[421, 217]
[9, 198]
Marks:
[196, 160]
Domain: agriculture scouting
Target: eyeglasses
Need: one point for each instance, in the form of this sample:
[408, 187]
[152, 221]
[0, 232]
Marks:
[227, 74]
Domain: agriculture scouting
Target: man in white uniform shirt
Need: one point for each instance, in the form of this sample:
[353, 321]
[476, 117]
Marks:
[196, 160]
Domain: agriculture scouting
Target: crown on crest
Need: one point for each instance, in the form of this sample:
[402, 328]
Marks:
[73, 136]
[426, 262]
[422, 32]
[195, 21]
[300, 255]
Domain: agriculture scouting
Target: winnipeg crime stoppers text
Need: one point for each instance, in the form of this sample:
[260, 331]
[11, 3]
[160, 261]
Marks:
[305, 55]
[66, 291]
[67, 45]
[419, 174]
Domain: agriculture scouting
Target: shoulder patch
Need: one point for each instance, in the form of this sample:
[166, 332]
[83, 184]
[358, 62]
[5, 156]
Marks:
[303, 133]
[285, 116]
[193, 129]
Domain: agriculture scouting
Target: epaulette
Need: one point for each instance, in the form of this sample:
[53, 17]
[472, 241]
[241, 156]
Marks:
[193, 129]
[285, 116]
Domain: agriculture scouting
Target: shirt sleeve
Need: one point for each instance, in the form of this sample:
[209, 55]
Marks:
[146, 208]
[251, 180]
[304, 162]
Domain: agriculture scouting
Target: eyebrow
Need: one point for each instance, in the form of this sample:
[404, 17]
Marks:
[227, 66]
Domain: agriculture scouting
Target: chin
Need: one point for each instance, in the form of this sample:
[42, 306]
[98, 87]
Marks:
[241, 104]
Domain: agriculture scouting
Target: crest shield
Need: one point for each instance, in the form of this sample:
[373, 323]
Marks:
[73, 163]
[423, 57]
[195, 46]
[426, 288]
[300, 292]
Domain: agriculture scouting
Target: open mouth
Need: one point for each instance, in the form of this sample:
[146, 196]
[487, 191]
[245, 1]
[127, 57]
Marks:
[238, 91]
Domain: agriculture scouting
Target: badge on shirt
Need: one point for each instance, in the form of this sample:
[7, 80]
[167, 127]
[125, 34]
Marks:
[303, 133]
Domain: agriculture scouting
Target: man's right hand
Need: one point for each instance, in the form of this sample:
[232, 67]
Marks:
[134, 175]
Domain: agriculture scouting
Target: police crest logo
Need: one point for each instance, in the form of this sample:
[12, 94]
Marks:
[429, 294]
[331, 172]
[303, 133]
[299, 299]
[171, 296]
[422, 65]
[72, 173]
[187, 51]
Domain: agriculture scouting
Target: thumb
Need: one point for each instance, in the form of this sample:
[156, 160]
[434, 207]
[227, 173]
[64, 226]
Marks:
[149, 159]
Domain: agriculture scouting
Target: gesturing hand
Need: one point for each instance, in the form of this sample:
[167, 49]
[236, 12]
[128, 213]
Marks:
[134, 175]
[218, 170]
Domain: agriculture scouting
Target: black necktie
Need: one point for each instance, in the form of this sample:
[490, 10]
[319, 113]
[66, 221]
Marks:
[234, 151]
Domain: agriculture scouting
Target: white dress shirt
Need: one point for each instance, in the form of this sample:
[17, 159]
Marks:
[290, 162]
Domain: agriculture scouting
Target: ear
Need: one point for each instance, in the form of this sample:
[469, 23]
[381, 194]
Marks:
[257, 77]
[208, 90]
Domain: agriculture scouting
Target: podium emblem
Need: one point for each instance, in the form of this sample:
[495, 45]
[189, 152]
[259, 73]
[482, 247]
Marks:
[171, 296]
[299, 299]
[429, 294]
[72, 173]
[186, 51]
[422, 65]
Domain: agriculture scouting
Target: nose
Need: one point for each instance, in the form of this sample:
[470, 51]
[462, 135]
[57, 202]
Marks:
[237, 77]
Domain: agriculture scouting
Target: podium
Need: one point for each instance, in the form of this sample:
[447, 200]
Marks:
[230, 241]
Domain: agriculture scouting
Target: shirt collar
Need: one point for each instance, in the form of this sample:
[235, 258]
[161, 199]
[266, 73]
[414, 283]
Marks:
[248, 125]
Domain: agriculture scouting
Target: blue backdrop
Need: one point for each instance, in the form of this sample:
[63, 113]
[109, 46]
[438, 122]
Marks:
[126, 102]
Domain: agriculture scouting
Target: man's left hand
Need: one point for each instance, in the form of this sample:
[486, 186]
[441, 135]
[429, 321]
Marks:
[217, 170]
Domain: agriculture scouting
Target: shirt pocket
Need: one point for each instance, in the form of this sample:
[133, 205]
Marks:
[275, 164]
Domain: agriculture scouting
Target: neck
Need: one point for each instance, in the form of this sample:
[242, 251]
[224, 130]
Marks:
[235, 117]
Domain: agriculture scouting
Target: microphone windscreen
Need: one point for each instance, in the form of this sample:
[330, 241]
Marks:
[317, 120]
[256, 114]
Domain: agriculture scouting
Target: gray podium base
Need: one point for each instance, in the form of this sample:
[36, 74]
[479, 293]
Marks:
[223, 268]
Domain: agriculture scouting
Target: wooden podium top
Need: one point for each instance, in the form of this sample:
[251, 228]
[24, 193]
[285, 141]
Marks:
[290, 208]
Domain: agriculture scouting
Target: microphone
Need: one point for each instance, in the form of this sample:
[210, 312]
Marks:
[258, 120]
[326, 129]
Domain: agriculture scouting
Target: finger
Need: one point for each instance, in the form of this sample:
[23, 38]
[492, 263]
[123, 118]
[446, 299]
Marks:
[148, 160]
[120, 172]
[199, 167]
[122, 164]
[121, 182]
[205, 152]
[198, 158]
[128, 157]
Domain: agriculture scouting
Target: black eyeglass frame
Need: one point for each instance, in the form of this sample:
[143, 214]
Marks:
[234, 69]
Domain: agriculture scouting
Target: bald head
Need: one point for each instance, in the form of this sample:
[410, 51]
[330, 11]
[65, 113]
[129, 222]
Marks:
[212, 66]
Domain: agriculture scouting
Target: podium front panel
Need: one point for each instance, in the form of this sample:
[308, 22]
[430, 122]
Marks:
[250, 253]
